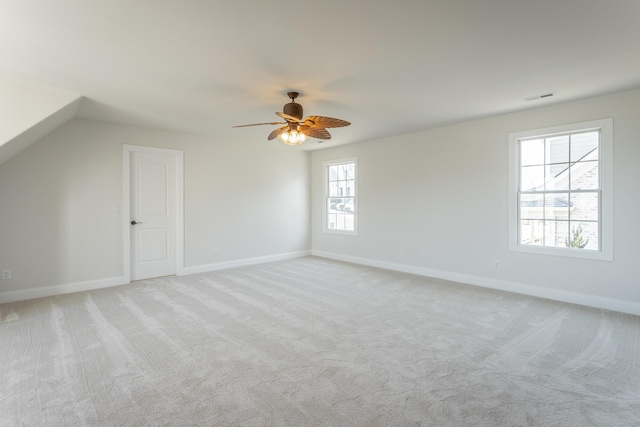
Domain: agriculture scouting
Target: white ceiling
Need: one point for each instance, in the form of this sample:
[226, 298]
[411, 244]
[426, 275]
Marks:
[389, 67]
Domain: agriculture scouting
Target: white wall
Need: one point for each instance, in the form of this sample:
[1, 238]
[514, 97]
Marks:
[444, 191]
[57, 227]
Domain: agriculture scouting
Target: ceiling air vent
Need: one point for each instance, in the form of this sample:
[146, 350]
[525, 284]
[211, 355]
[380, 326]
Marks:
[533, 98]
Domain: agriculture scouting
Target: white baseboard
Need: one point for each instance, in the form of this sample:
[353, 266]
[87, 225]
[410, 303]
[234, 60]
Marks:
[503, 285]
[242, 262]
[66, 288]
[520, 288]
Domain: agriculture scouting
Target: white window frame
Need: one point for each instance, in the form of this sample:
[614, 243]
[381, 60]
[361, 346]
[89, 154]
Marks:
[325, 196]
[605, 165]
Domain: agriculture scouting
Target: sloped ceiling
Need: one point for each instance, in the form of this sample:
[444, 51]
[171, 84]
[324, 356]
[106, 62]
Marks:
[388, 67]
[29, 112]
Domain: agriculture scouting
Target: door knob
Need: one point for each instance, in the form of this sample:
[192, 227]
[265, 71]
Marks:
[135, 222]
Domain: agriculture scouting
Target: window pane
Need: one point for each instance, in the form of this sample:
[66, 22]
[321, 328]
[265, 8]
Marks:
[531, 232]
[555, 233]
[339, 221]
[349, 222]
[531, 206]
[338, 205]
[342, 171]
[532, 152]
[331, 221]
[351, 188]
[557, 149]
[342, 188]
[584, 176]
[333, 173]
[556, 206]
[333, 205]
[349, 206]
[584, 146]
[557, 177]
[333, 189]
[351, 171]
[584, 235]
[584, 206]
[532, 178]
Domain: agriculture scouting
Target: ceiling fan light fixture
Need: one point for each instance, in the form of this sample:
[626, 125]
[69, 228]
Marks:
[292, 137]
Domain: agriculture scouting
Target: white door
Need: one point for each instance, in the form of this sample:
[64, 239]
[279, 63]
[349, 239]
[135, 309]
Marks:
[153, 215]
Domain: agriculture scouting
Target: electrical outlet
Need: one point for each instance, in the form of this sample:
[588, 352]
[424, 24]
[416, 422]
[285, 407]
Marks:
[421, 254]
[6, 274]
[496, 265]
[215, 251]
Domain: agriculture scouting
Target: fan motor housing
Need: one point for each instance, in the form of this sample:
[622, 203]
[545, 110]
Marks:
[293, 109]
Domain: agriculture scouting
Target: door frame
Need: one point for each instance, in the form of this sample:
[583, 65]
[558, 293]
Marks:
[178, 157]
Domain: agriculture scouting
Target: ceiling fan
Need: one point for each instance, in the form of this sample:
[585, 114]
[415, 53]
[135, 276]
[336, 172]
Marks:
[298, 129]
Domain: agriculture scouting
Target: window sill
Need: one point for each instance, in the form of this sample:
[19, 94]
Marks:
[564, 252]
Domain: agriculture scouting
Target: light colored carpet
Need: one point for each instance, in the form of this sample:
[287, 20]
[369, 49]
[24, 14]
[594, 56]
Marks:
[312, 342]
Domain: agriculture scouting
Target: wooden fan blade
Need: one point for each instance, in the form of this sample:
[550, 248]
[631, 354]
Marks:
[326, 122]
[260, 124]
[315, 131]
[276, 132]
[288, 117]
